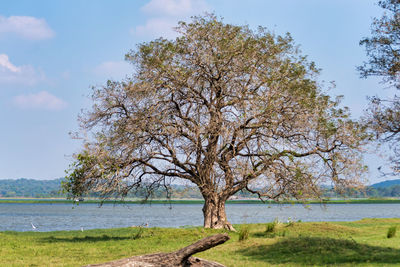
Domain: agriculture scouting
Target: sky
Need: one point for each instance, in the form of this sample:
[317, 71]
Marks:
[53, 52]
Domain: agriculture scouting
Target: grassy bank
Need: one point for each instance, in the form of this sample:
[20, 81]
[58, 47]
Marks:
[199, 201]
[362, 243]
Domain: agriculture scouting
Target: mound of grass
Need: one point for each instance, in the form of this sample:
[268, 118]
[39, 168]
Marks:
[270, 228]
[391, 232]
[244, 232]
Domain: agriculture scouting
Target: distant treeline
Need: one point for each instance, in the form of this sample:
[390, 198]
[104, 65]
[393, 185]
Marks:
[52, 188]
[30, 188]
[369, 192]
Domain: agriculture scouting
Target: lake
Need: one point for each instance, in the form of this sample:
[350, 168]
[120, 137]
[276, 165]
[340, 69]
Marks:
[56, 217]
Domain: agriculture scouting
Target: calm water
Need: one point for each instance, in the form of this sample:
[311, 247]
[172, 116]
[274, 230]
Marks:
[54, 217]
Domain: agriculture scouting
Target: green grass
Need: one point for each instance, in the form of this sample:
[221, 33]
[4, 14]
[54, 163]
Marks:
[360, 243]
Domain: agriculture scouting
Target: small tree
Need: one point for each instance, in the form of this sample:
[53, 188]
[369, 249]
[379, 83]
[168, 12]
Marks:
[222, 107]
[383, 51]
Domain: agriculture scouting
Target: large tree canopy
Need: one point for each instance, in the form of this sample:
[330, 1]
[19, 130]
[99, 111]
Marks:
[383, 51]
[225, 108]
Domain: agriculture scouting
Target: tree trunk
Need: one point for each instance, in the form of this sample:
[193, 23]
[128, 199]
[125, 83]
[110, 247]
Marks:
[214, 213]
[180, 258]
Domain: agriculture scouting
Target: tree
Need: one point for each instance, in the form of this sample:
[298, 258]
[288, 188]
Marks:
[383, 51]
[225, 108]
[383, 48]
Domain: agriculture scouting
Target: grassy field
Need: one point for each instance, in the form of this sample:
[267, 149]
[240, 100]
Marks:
[362, 243]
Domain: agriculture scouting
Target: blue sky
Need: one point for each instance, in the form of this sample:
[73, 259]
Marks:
[51, 52]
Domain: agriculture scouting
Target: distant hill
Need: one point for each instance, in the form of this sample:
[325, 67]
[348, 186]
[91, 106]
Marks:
[386, 183]
[30, 188]
[51, 188]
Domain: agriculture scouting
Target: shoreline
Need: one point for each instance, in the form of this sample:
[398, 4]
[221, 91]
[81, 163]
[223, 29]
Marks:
[192, 201]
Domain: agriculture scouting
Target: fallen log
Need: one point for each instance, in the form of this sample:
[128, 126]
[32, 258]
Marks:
[180, 258]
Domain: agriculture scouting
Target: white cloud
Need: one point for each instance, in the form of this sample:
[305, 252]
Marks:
[41, 100]
[66, 75]
[157, 27]
[18, 75]
[6, 64]
[30, 28]
[113, 69]
[164, 15]
[174, 8]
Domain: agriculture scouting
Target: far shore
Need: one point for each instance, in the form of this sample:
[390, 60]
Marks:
[197, 201]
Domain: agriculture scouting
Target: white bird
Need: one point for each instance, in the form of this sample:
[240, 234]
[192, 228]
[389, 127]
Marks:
[33, 227]
[81, 229]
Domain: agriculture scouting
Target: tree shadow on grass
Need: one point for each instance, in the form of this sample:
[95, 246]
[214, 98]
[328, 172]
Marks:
[87, 238]
[269, 234]
[321, 251]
